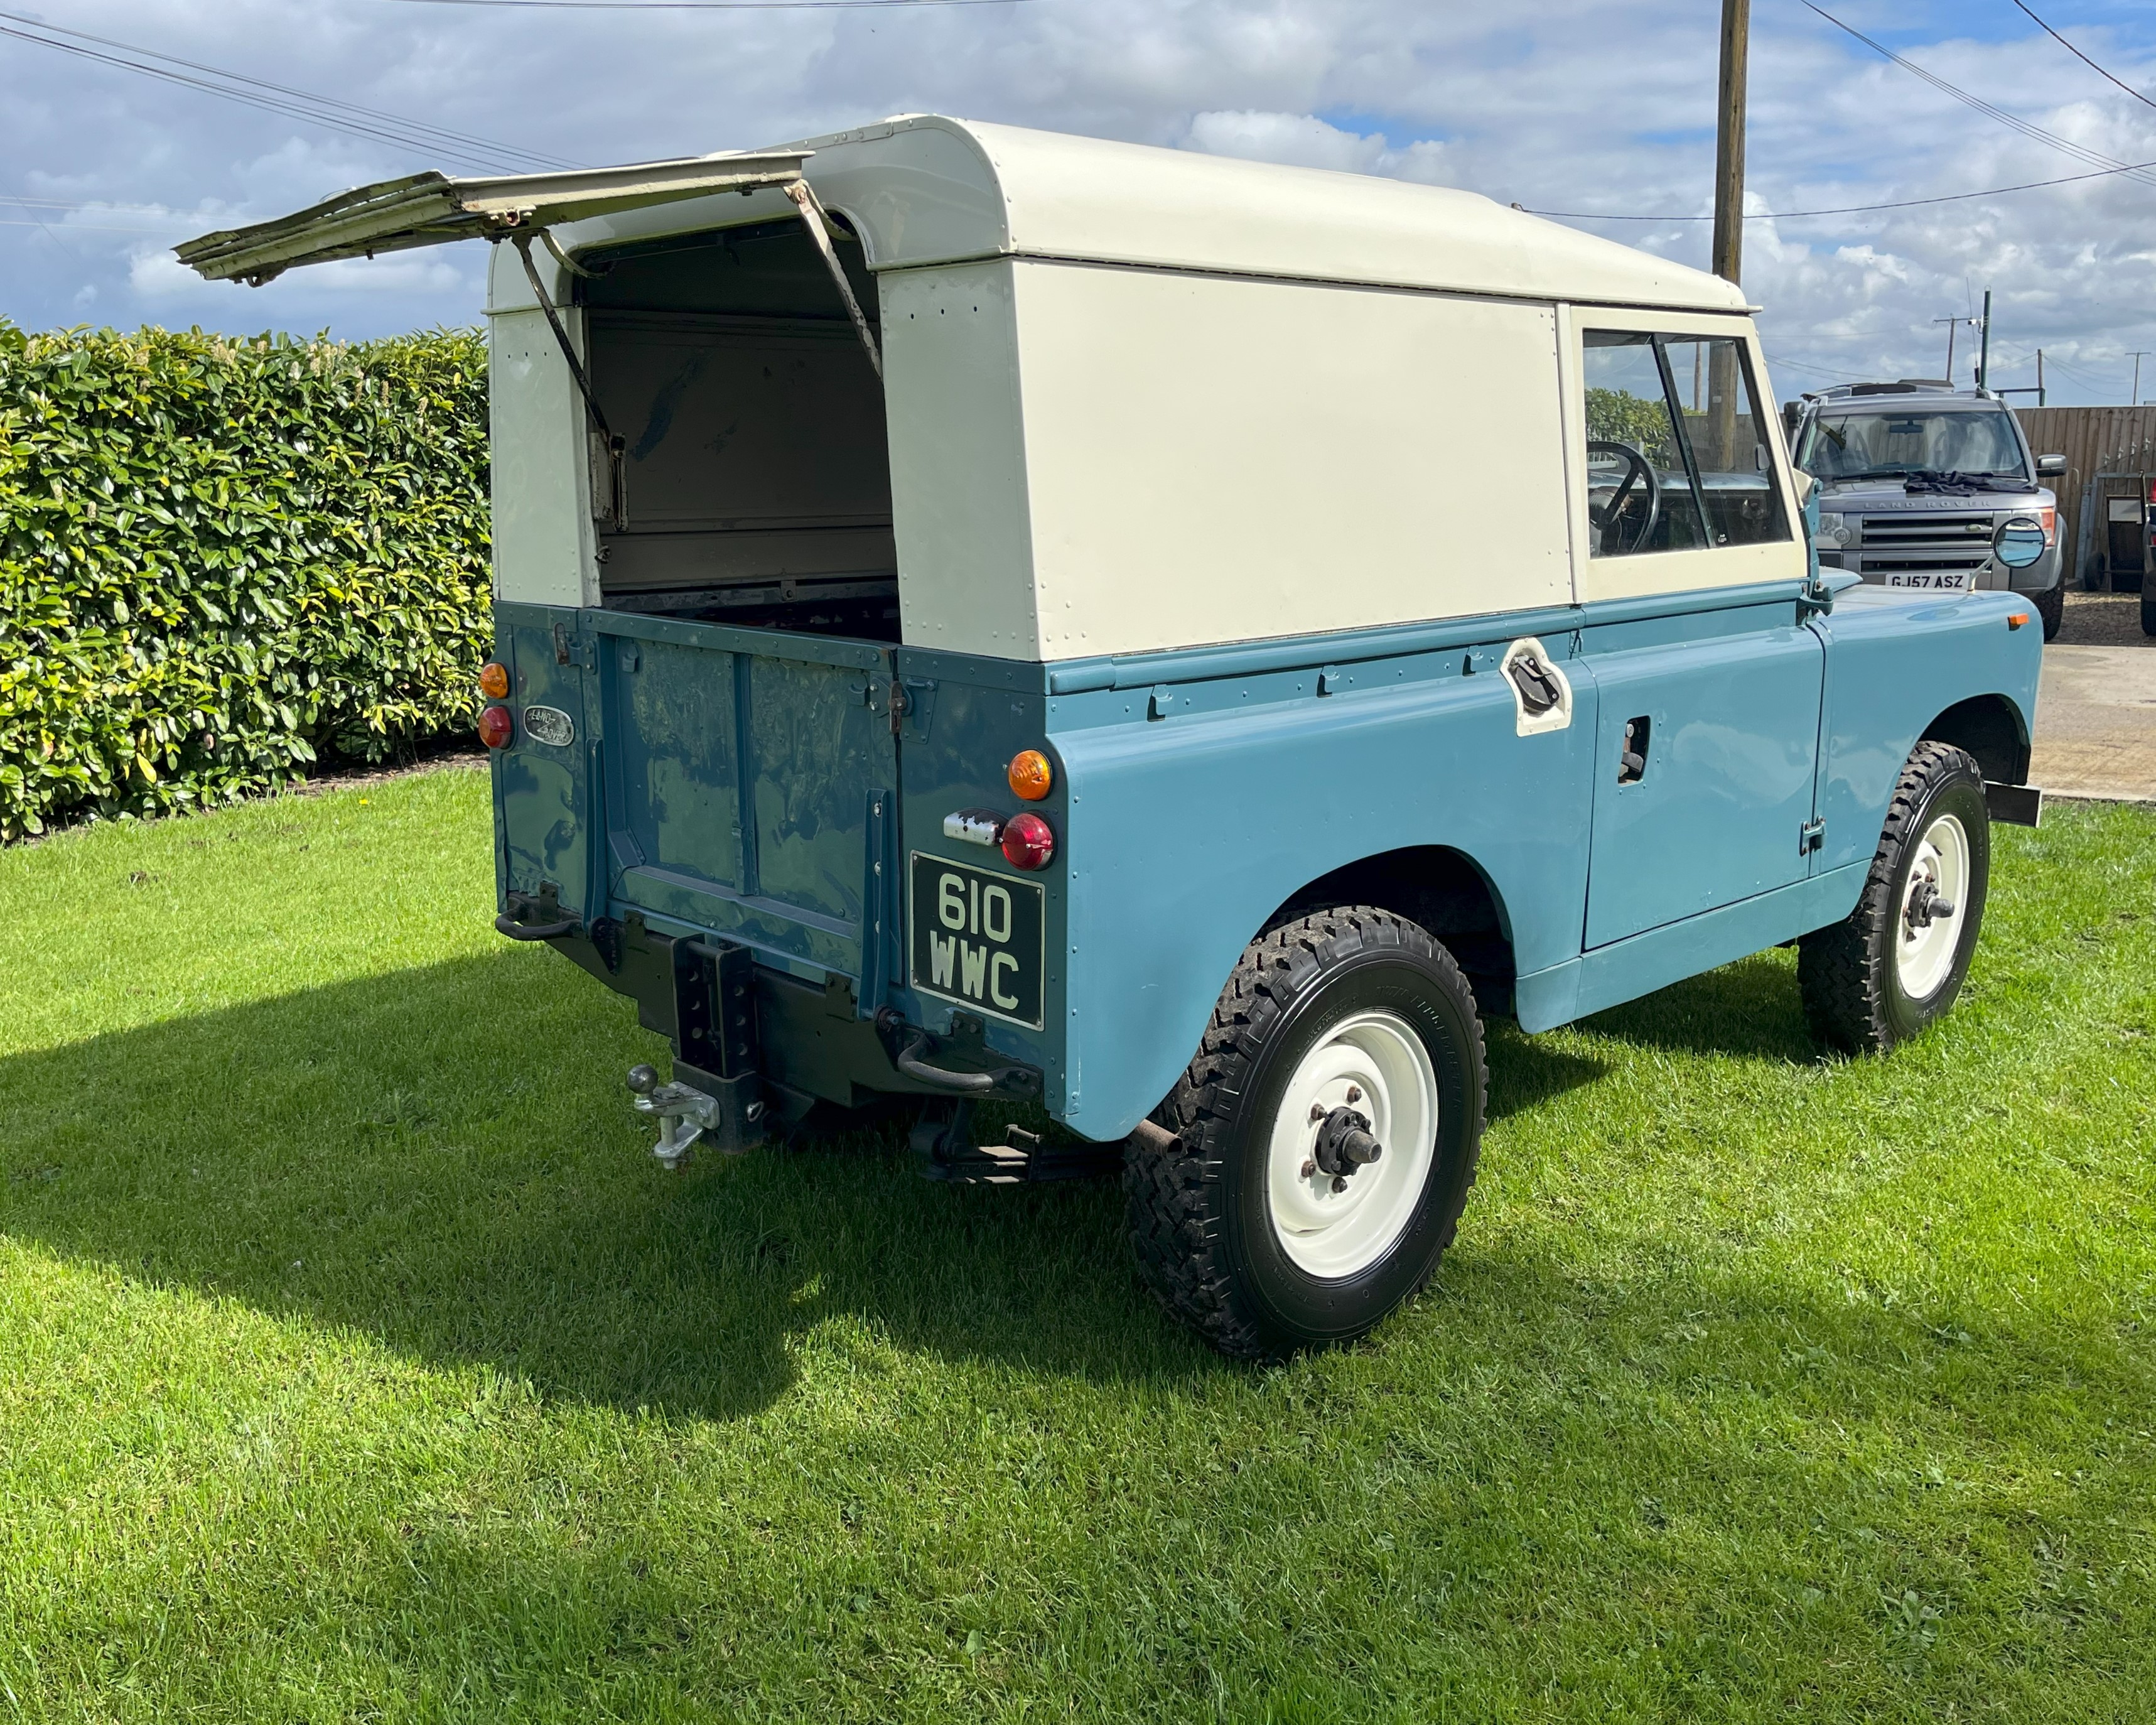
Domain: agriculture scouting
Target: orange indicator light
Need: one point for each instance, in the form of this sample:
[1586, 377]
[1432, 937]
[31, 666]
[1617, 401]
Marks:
[493, 681]
[2014, 619]
[1031, 777]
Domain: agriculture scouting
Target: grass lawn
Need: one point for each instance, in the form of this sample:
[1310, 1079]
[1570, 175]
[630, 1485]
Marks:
[356, 1361]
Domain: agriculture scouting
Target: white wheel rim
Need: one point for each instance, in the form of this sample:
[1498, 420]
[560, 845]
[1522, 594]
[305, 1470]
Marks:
[1375, 1063]
[1925, 939]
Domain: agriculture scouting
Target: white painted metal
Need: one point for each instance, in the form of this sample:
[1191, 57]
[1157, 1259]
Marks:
[959, 502]
[1143, 399]
[433, 209]
[544, 547]
[1376, 1063]
[1671, 571]
[1214, 459]
[1924, 950]
[924, 188]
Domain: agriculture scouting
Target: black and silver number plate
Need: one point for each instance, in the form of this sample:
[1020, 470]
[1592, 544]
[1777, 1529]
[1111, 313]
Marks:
[977, 939]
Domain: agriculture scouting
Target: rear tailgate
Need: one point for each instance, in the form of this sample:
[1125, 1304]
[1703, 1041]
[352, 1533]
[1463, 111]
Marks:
[748, 778]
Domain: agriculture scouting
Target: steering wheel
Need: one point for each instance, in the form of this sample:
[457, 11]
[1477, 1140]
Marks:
[1604, 520]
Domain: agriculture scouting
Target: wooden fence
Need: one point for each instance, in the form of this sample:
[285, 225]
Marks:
[2093, 440]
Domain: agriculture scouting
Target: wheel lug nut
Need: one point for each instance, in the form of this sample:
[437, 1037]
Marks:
[1316, 1112]
[1354, 1093]
[1308, 1169]
[1340, 1183]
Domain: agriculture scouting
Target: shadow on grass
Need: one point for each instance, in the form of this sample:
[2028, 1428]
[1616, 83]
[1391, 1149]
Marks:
[443, 1159]
[1750, 1009]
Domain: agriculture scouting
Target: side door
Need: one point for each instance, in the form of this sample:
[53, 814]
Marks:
[1688, 558]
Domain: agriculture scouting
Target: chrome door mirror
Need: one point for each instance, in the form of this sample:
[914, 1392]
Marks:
[2019, 541]
[2050, 466]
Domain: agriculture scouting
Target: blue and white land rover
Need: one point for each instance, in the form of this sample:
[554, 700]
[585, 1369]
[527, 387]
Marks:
[981, 615]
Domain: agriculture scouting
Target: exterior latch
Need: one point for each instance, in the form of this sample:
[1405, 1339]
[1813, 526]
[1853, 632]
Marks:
[1811, 837]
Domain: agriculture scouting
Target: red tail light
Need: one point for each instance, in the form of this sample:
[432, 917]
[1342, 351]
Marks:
[496, 726]
[1028, 842]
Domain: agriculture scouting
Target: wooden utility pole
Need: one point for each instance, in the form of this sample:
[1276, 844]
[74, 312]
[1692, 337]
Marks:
[1729, 142]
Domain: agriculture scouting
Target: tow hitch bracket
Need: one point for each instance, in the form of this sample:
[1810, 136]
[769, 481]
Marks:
[687, 1116]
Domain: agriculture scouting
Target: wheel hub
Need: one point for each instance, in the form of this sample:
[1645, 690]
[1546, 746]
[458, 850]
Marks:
[1344, 1144]
[1351, 1144]
[1926, 905]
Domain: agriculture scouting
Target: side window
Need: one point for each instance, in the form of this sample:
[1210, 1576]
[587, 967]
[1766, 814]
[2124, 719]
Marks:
[1677, 456]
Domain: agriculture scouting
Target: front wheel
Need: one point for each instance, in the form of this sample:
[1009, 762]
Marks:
[2051, 609]
[1326, 1137]
[1898, 961]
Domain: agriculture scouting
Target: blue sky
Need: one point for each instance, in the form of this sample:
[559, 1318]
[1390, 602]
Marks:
[1601, 106]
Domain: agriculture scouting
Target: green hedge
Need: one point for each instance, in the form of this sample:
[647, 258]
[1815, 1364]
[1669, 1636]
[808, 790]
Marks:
[222, 561]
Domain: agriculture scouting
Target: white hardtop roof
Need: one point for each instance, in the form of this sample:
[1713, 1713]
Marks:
[924, 188]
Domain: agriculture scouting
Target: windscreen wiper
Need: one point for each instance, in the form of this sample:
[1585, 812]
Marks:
[1951, 480]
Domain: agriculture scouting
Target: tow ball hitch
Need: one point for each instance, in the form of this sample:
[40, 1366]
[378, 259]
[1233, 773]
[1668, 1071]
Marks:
[684, 1115]
[1344, 1144]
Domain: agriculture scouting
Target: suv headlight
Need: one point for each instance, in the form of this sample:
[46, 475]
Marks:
[1834, 532]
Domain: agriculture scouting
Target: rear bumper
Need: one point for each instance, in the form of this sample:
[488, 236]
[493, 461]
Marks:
[732, 1020]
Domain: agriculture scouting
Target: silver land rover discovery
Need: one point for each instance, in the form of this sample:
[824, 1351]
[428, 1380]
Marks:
[1924, 485]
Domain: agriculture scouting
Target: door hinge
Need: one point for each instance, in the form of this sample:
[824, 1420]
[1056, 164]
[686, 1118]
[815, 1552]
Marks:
[912, 700]
[570, 648]
[1811, 837]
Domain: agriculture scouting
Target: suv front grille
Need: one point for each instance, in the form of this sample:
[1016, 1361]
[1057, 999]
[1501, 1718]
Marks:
[1903, 543]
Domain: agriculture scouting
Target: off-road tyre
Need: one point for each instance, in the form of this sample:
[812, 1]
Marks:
[2051, 606]
[1199, 1214]
[1853, 995]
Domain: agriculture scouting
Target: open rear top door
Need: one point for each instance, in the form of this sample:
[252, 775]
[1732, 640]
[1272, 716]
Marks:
[432, 210]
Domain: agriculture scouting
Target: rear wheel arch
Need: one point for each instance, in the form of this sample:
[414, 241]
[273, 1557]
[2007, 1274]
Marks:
[1438, 888]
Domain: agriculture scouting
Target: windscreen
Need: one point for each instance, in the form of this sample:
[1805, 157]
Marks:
[1870, 442]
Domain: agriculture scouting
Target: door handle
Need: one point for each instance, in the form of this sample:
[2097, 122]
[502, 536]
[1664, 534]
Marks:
[1632, 758]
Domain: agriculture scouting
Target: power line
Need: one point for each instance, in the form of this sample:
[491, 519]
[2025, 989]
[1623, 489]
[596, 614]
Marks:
[2027, 128]
[1856, 210]
[2083, 57]
[1798, 365]
[709, 5]
[330, 112]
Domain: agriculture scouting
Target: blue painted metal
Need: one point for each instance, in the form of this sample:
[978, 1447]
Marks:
[1896, 662]
[1732, 744]
[1074, 676]
[1187, 832]
[748, 784]
[542, 795]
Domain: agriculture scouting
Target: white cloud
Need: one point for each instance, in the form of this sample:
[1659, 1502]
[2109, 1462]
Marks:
[1570, 104]
[1305, 140]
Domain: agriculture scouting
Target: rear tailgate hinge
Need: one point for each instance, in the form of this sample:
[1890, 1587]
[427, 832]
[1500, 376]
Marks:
[571, 647]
